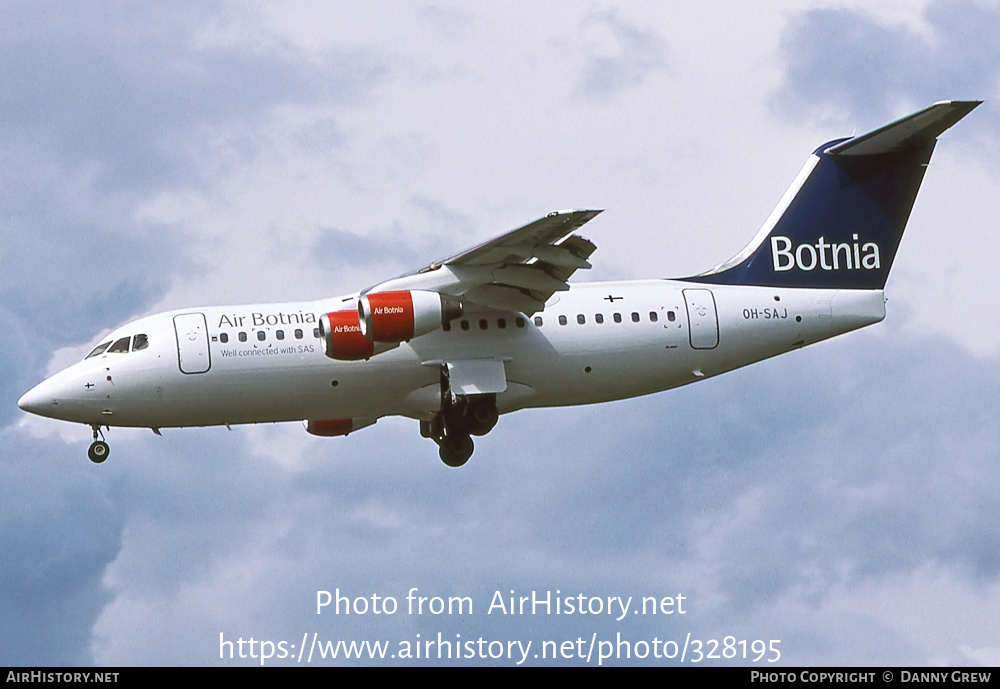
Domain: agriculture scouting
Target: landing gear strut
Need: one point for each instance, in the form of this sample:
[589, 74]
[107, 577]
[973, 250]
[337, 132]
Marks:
[99, 449]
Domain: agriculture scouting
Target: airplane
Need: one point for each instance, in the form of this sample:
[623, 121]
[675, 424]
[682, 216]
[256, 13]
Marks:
[498, 328]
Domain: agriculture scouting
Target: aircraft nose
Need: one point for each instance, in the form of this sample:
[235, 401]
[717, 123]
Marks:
[69, 395]
[33, 401]
[45, 399]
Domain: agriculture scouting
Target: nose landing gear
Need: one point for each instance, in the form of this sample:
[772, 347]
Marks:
[99, 449]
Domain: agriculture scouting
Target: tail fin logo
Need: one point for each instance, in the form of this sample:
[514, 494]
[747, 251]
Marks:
[833, 256]
[840, 223]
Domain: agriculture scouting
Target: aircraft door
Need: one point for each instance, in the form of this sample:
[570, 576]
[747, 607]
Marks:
[703, 320]
[192, 343]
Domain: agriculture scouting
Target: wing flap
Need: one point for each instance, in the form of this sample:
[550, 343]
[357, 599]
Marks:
[506, 298]
[529, 278]
[561, 257]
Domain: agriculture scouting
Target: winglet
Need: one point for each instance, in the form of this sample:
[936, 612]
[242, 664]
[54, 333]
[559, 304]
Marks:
[908, 133]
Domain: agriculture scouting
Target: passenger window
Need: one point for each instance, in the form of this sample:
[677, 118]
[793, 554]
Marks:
[243, 336]
[599, 318]
[635, 317]
[120, 346]
[280, 334]
[99, 349]
[465, 324]
[483, 324]
[223, 338]
[538, 321]
[261, 335]
[618, 318]
[581, 319]
[501, 323]
[671, 316]
[446, 326]
[519, 322]
[653, 316]
[139, 342]
[562, 320]
[298, 333]
[316, 333]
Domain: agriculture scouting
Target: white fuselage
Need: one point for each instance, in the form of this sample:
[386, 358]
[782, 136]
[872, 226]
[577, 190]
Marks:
[247, 364]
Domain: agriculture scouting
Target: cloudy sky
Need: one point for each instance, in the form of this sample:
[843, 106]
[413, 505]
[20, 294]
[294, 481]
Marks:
[842, 499]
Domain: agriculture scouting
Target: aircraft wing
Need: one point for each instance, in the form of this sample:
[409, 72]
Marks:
[517, 271]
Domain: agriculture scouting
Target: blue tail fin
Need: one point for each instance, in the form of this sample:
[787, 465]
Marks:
[840, 223]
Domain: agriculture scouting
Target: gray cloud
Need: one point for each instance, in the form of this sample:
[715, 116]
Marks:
[59, 530]
[626, 57]
[59, 231]
[20, 363]
[103, 105]
[874, 468]
[134, 95]
[405, 247]
[843, 64]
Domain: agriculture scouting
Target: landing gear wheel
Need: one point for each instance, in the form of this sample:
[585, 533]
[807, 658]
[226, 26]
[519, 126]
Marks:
[483, 418]
[456, 450]
[98, 451]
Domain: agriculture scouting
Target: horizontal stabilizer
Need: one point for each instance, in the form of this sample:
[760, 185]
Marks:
[908, 133]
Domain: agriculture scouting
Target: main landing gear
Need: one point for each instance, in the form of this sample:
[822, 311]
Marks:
[459, 419]
[99, 449]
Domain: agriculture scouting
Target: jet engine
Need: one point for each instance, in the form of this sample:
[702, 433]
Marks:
[342, 338]
[394, 317]
[329, 428]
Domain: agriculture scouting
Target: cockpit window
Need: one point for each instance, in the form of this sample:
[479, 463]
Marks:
[99, 349]
[120, 346]
[139, 342]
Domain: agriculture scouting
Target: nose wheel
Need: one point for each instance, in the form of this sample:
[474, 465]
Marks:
[99, 449]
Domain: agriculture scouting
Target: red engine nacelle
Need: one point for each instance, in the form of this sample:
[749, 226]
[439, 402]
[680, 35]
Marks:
[399, 316]
[330, 428]
[342, 338]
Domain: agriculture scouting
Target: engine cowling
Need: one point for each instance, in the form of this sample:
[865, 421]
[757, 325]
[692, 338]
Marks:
[330, 428]
[342, 338]
[400, 316]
